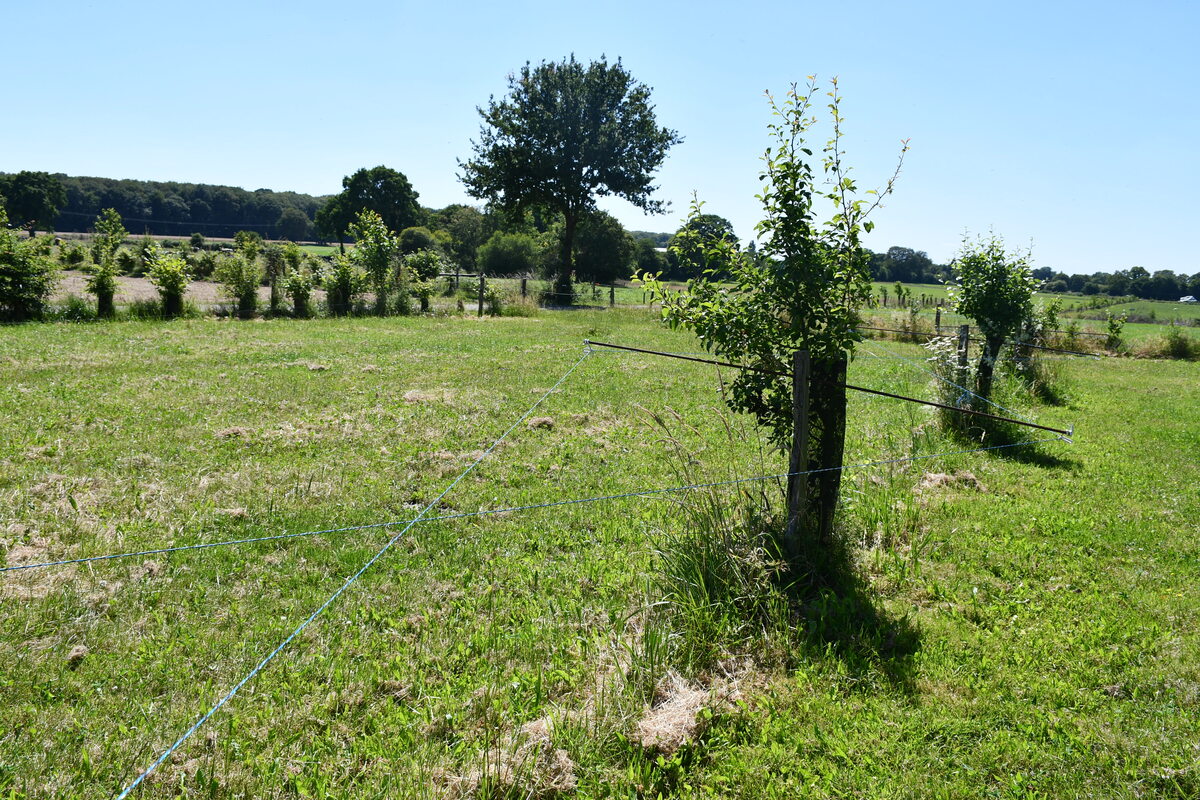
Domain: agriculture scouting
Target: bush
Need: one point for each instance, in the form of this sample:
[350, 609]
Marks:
[76, 309]
[169, 274]
[1178, 344]
[203, 263]
[71, 255]
[416, 239]
[343, 282]
[27, 278]
[508, 254]
[241, 278]
[298, 284]
[1116, 326]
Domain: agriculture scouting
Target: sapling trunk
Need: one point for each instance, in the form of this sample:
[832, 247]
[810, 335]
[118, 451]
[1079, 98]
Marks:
[104, 304]
[987, 365]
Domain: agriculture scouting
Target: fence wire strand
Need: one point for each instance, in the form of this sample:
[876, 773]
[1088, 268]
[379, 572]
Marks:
[346, 585]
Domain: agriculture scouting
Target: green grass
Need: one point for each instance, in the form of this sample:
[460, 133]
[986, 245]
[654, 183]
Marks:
[1054, 609]
[320, 249]
[1160, 310]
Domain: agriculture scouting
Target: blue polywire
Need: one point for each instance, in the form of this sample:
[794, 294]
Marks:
[349, 581]
[551, 504]
[966, 392]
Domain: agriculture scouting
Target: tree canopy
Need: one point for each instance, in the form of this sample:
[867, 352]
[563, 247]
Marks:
[564, 135]
[380, 189]
[33, 199]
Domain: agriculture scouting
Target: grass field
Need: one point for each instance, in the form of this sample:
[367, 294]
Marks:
[1035, 631]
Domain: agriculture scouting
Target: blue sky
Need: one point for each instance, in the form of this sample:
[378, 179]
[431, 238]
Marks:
[1071, 126]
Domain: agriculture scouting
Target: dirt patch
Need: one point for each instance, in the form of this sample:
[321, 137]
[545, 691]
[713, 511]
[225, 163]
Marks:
[33, 584]
[428, 396]
[941, 480]
[236, 432]
[541, 423]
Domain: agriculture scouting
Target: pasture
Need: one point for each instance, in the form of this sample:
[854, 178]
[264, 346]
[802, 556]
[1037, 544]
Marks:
[1027, 626]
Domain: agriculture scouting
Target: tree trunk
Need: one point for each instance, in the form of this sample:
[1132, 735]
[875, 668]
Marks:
[564, 291]
[987, 365]
[172, 305]
[104, 304]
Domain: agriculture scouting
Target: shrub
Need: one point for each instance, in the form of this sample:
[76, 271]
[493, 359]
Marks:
[71, 255]
[1116, 326]
[423, 268]
[298, 284]
[343, 282]
[203, 263]
[27, 277]
[127, 262]
[415, 239]
[75, 309]
[197, 241]
[1178, 344]
[376, 251]
[109, 233]
[241, 278]
[508, 254]
[273, 255]
[169, 274]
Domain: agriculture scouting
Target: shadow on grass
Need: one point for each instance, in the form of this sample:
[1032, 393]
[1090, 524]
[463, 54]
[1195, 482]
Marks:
[1013, 443]
[838, 615]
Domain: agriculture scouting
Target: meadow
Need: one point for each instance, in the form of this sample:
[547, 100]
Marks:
[1025, 622]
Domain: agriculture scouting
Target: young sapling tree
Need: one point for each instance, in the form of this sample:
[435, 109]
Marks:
[994, 288]
[801, 293]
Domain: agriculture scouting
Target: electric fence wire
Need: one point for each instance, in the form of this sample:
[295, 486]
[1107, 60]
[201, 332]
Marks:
[346, 585]
[966, 393]
[530, 507]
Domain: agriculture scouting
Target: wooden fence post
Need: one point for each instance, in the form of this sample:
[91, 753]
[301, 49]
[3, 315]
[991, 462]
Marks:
[797, 495]
[612, 296]
[524, 293]
[937, 320]
[481, 293]
[833, 444]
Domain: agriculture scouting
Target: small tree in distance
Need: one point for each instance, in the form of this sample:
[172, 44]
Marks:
[995, 288]
[169, 274]
[109, 233]
[377, 251]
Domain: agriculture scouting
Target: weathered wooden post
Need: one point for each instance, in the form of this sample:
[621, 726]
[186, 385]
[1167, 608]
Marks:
[833, 444]
[612, 296]
[481, 293]
[524, 293]
[937, 320]
[797, 493]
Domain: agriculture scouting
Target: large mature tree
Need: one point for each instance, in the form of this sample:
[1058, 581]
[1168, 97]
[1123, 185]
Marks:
[380, 189]
[565, 134]
[33, 199]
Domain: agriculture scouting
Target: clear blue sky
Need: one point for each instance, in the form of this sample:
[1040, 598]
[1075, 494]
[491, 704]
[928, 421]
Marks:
[1071, 125]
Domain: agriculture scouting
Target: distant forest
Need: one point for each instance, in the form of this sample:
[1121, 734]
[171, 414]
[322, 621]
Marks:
[167, 208]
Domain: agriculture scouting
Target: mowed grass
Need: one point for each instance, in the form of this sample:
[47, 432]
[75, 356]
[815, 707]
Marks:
[1053, 597]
